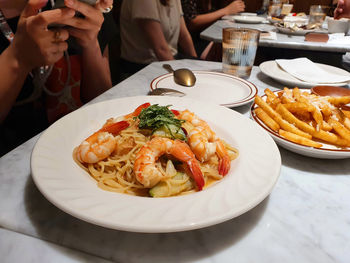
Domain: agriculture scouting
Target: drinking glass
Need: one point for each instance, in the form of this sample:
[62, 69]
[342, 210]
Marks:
[317, 15]
[239, 47]
[275, 8]
[286, 9]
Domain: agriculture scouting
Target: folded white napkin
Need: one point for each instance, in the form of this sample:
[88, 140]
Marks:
[305, 70]
[338, 38]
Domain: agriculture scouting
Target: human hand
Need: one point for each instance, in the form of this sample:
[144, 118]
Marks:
[235, 7]
[341, 10]
[86, 29]
[34, 44]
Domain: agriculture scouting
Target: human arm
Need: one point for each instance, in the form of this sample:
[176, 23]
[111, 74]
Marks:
[202, 21]
[342, 10]
[185, 40]
[96, 77]
[155, 37]
[33, 46]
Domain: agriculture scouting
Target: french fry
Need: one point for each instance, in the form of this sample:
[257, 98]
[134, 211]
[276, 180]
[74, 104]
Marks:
[346, 113]
[326, 111]
[267, 108]
[296, 93]
[339, 101]
[272, 99]
[300, 110]
[295, 107]
[340, 129]
[346, 123]
[330, 138]
[342, 118]
[326, 126]
[286, 96]
[262, 115]
[302, 117]
[299, 139]
[277, 117]
[316, 113]
[288, 116]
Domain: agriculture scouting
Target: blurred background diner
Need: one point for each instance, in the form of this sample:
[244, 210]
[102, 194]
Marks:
[152, 31]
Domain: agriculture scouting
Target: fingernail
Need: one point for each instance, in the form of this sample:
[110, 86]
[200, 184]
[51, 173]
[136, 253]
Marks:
[69, 2]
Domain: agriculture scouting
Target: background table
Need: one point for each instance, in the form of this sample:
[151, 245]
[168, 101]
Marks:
[214, 33]
[286, 46]
[305, 219]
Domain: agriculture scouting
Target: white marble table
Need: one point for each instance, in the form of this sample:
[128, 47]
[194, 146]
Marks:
[306, 218]
[214, 33]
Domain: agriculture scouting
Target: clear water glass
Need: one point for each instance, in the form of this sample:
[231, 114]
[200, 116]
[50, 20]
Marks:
[317, 15]
[239, 47]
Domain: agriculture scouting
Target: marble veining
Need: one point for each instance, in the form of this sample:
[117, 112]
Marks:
[306, 218]
[17, 247]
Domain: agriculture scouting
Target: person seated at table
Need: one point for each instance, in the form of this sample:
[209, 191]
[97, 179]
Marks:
[39, 84]
[199, 14]
[342, 10]
[152, 30]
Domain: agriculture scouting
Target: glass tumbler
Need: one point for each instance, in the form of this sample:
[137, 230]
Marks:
[275, 8]
[239, 47]
[317, 15]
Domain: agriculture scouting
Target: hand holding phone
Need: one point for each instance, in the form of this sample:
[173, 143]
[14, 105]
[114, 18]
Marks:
[85, 30]
[60, 3]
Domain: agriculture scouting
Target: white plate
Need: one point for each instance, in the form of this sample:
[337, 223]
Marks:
[289, 31]
[251, 178]
[248, 19]
[327, 151]
[248, 14]
[271, 69]
[216, 87]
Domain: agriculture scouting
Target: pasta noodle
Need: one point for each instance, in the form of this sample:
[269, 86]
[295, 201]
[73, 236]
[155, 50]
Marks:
[116, 172]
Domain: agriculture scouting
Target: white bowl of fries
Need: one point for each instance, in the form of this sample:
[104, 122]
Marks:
[305, 123]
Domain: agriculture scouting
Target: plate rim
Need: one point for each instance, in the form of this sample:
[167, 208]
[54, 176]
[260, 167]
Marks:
[341, 152]
[240, 19]
[253, 90]
[264, 65]
[268, 186]
[285, 30]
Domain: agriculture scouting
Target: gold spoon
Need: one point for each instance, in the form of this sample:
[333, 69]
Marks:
[182, 76]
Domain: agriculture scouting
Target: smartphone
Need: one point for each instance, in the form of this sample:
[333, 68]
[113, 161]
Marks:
[60, 3]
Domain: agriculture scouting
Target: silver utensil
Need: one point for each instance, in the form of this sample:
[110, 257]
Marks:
[182, 76]
[165, 91]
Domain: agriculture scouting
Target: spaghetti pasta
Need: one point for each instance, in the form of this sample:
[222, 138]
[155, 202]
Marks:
[116, 173]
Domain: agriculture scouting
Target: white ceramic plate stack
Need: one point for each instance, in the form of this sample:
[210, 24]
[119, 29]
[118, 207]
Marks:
[250, 179]
[248, 19]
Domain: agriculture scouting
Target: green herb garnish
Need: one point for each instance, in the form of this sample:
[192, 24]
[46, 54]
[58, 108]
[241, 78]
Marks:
[160, 120]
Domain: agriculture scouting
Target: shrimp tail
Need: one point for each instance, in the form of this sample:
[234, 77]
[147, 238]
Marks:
[196, 174]
[224, 158]
[138, 110]
[115, 128]
[224, 165]
[184, 153]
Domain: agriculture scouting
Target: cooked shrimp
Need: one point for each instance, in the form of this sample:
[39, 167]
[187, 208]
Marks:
[101, 144]
[204, 143]
[145, 163]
